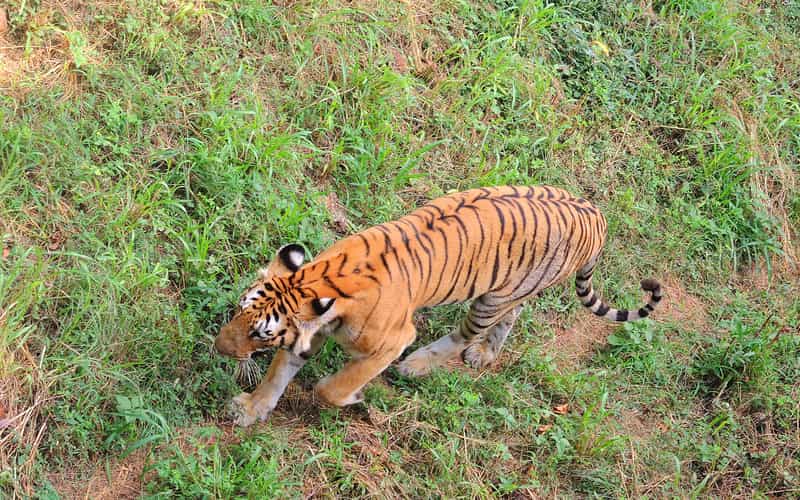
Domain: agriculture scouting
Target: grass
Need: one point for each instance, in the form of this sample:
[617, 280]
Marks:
[154, 154]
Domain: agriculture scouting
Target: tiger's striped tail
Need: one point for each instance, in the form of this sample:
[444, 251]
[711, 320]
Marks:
[583, 287]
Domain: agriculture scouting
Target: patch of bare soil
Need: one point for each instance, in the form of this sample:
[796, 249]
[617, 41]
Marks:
[637, 424]
[680, 306]
[114, 479]
[572, 344]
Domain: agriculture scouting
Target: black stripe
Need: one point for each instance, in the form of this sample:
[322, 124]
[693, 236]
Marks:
[584, 292]
[514, 232]
[341, 266]
[407, 242]
[496, 266]
[366, 320]
[592, 301]
[386, 265]
[470, 332]
[622, 315]
[602, 310]
[404, 271]
[431, 205]
[336, 288]
[444, 260]
[548, 225]
[644, 312]
[291, 301]
[476, 253]
[366, 243]
[655, 298]
[459, 259]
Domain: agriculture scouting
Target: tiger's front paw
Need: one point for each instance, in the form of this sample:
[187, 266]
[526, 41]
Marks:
[327, 391]
[245, 411]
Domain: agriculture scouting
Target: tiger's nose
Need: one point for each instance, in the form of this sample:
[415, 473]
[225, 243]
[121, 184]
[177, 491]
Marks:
[223, 344]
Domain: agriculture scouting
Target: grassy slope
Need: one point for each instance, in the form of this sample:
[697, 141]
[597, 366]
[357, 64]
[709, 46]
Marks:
[154, 154]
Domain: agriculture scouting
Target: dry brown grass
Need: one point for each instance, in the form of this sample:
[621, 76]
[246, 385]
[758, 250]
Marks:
[773, 181]
[41, 58]
[103, 480]
[24, 392]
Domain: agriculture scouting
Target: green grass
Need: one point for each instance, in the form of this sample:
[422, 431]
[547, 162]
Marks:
[153, 155]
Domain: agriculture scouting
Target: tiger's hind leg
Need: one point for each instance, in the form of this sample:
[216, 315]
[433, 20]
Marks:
[480, 320]
[482, 353]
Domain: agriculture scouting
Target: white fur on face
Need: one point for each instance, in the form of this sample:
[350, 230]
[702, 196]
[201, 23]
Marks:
[249, 298]
[265, 327]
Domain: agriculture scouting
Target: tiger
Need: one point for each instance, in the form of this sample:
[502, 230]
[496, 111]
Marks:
[496, 246]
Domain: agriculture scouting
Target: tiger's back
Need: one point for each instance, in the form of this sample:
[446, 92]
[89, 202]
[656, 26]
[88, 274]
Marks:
[508, 241]
[511, 241]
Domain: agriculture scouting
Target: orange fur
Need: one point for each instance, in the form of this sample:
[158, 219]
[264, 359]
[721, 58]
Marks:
[497, 245]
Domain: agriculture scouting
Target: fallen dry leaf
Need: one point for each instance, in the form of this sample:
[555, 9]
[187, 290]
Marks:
[561, 409]
[400, 61]
[6, 252]
[3, 21]
[4, 422]
[56, 240]
[544, 428]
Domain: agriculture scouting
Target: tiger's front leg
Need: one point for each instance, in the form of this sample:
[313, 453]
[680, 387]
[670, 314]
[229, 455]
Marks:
[247, 408]
[345, 386]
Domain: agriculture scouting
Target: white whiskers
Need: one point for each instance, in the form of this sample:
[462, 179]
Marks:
[248, 372]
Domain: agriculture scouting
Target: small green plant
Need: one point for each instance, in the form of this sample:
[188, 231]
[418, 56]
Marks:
[209, 468]
[740, 357]
[631, 337]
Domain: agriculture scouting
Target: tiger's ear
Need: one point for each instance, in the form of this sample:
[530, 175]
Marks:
[287, 260]
[316, 310]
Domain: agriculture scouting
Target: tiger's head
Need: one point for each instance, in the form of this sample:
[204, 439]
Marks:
[274, 312]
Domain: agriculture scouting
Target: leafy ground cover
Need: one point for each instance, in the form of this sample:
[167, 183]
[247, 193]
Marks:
[154, 154]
